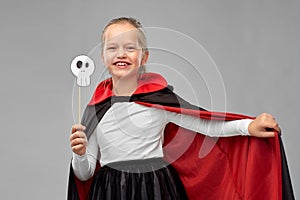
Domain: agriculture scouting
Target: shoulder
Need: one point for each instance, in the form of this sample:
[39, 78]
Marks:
[102, 92]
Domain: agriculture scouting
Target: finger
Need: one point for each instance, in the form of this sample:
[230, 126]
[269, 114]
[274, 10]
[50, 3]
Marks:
[75, 142]
[77, 127]
[74, 136]
[268, 134]
[77, 134]
[271, 124]
[77, 147]
[277, 128]
[267, 115]
[271, 121]
[78, 141]
[270, 117]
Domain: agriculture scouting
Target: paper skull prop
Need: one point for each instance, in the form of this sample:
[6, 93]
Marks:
[83, 67]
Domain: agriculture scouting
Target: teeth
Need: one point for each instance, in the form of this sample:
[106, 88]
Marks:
[121, 64]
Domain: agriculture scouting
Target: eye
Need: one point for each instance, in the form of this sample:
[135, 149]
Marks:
[79, 64]
[86, 65]
[130, 48]
[111, 48]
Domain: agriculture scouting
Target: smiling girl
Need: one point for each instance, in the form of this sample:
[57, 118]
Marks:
[125, 134]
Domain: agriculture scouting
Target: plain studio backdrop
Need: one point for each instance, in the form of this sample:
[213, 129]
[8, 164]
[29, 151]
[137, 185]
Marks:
[255, 47]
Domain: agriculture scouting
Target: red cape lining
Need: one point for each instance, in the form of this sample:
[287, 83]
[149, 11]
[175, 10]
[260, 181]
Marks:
[234, 168]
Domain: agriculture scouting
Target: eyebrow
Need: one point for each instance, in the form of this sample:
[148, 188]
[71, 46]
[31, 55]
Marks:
[112, 43]
[128, 43]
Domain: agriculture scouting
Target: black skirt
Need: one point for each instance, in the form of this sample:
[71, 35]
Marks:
[151, 179]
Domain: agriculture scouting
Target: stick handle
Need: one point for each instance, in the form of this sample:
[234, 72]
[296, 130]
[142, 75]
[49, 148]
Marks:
[79, 103]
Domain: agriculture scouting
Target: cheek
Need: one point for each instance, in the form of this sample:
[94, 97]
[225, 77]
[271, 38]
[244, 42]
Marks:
[107, 59]
[138, 58]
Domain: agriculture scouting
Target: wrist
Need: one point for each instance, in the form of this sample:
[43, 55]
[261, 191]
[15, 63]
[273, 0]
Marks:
[250, 128]
[244, 127]
[79, 156]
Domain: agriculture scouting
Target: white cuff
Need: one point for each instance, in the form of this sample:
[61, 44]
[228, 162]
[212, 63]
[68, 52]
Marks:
[79, 157]
[243, 126]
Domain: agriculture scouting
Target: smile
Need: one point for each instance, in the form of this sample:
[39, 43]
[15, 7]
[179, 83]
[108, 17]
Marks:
[121, 63]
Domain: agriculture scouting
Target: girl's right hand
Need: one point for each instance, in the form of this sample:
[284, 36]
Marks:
[78, 140]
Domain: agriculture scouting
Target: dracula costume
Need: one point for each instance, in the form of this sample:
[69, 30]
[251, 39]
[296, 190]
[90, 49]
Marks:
[239, 167]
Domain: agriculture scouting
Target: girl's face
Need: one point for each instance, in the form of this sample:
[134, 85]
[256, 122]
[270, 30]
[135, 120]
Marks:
[122, 53]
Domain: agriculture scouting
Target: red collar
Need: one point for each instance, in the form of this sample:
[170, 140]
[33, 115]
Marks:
[148, 82]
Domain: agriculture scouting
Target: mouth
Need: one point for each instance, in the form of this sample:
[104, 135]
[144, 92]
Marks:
[121, 64]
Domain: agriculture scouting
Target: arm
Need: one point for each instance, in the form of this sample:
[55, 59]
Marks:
[262, 126]
[211, 128]
[84, 153]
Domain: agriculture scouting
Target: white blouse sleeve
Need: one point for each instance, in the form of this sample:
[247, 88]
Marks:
[84, 166]
[213, 128]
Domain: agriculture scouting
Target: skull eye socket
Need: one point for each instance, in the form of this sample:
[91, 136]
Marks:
[87, 65]
[79, 64]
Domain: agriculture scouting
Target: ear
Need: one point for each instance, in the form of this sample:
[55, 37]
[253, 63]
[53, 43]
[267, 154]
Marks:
[145, 58]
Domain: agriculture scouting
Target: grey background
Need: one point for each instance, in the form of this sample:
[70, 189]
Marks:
[255, 45]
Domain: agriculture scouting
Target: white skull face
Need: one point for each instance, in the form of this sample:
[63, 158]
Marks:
[83, 67]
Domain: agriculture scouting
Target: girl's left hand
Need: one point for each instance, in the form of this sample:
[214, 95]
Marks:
[263, 126]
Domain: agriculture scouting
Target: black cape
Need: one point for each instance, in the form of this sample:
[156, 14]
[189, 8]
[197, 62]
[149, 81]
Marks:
[239, 167]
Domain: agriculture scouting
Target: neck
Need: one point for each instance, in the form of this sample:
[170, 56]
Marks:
[124, 86]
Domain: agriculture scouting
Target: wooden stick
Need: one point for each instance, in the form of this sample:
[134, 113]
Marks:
[79, 103]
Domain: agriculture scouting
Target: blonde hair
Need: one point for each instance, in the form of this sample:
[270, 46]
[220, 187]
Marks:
[142, 40]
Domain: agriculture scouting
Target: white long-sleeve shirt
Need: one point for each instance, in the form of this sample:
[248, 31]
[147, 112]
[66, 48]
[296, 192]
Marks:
[129, 131]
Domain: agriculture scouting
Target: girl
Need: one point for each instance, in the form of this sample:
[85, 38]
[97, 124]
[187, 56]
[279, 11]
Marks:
[125, 132]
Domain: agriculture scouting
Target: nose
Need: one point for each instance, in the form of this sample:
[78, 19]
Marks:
[121, 53]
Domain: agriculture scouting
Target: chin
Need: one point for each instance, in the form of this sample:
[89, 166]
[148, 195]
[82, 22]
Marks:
[124, 74]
